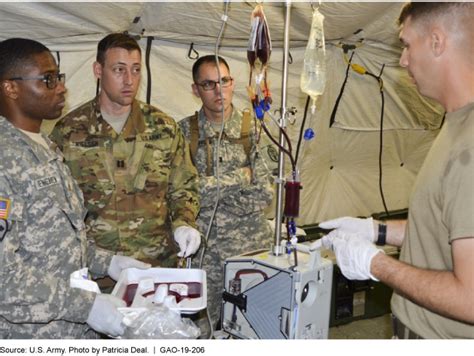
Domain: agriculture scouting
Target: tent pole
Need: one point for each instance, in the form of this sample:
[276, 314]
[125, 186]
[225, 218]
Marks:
[277, 248]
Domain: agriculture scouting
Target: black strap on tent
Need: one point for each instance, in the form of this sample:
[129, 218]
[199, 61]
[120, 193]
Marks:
[192, 53]
[382, 96]
[336, 105]
[361, 70]
[149, 41]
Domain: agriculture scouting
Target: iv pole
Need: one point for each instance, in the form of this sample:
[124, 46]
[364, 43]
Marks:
[277, 248]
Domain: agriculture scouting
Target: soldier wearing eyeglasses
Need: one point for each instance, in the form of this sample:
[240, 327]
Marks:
[42, 232]
[130, 161]
[230, 170]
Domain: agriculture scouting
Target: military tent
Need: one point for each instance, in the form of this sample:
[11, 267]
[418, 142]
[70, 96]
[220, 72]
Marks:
[350, 167]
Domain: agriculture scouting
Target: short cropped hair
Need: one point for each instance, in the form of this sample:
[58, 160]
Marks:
[116, 40]
[205, 60]
[428, 10]
[16, 54]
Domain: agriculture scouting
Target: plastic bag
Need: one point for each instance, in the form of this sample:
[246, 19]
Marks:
[80, 279]
[313, 76]
[158, 322]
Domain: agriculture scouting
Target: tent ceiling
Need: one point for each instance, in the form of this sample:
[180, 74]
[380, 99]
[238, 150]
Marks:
[196, 21]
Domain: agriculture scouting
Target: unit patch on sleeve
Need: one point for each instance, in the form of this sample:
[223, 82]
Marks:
[4, 208]
[3, 229]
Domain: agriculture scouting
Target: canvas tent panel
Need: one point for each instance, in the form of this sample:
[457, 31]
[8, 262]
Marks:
[58, 22]
[340, 172]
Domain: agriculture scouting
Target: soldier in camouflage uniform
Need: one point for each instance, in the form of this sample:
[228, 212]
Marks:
[42, 232]
[245, 182]
[130, 161]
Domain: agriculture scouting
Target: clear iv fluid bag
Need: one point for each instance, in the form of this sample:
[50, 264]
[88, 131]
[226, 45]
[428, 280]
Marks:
[313, 77]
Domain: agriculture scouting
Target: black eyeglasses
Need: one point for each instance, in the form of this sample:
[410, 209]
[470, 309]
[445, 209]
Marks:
[211, 84]
[51, 80]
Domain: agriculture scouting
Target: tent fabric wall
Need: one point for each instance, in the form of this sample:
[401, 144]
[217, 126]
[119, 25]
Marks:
[339, 167]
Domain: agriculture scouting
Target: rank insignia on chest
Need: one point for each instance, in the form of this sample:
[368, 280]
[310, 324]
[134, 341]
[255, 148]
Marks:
[4, 208]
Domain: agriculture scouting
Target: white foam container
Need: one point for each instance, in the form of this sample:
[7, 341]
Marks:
[166, 275]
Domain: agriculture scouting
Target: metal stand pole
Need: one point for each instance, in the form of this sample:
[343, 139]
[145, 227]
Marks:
[277, 249]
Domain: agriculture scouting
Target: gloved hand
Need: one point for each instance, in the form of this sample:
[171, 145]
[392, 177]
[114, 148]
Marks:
[104, 316]
[188, 240]
[348, 225]
[120, 263]
[353, 254]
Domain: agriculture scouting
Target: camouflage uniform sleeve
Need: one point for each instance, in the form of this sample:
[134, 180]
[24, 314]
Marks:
[183, 191]
[29, 294]
[57, 136]
[98, 260]
[73, 305]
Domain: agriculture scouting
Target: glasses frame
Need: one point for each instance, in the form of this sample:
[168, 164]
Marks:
[51, 80]
[213, 83]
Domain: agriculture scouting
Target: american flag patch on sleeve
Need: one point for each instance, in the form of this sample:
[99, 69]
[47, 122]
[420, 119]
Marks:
[4, 208]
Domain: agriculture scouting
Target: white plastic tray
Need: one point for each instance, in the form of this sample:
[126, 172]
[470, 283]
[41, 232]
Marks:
[166, 275]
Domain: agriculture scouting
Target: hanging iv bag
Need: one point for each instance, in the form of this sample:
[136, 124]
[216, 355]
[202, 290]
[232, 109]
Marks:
[313, 77]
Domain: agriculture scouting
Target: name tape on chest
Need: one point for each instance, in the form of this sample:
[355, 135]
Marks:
[86, 144]
[43, 183]
[152, 137]
[91, 143]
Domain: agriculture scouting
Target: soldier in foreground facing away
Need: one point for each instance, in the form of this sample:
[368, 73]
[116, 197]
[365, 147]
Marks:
[434, 279]
[130, 161]
[245, 181]
[42, 231]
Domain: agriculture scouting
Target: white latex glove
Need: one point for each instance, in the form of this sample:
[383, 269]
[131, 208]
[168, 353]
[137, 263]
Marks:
[353, 254]
[104, 316]
[188, 240]
[119, 263]
[348, 225]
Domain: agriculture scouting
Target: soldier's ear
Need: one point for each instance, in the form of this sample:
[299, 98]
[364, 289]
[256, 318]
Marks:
[9, 89]
[195, 90]
[438, 41]
[97, 68]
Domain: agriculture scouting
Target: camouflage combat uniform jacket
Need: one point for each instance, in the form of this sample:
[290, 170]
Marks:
[240, 224]
[44, 243]
[139, 185]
